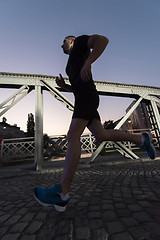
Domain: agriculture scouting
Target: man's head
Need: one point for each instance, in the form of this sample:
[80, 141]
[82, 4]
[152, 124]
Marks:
[68, 44]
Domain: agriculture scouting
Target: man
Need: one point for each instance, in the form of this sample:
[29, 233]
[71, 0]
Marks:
[85, 115]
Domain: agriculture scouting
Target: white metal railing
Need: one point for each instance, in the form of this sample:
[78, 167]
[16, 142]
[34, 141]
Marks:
[17, 148]
[23, 148]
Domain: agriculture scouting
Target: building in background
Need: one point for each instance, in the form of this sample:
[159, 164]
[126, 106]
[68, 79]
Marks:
[139, 119]
[8, 131]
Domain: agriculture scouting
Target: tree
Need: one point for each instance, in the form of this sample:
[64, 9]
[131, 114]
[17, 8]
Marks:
[52, 148]
[30, 125]
[4, 120]
[109, 124]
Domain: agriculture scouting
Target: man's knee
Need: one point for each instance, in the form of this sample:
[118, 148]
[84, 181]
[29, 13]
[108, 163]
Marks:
[99, 139]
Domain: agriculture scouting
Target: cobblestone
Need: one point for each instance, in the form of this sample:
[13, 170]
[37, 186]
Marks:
[28, 237]
[33, 227]
[83, 233]
[18, 227]
[10, 237]
[4, 217]
[3, 230]
[12, 220]
[118, 201]
[115, 227]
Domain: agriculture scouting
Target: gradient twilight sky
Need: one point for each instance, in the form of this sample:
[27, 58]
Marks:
[32, 32]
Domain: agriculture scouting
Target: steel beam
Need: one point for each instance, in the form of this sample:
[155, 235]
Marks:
[156, 113]
[38, 160]
[12, 100]
[58, 95]
[126, 116]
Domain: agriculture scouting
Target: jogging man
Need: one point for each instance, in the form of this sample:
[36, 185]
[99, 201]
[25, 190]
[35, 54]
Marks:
[85, 115]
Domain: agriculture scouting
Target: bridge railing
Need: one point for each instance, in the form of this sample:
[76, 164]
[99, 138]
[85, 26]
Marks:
[23, 148]
[17, 149]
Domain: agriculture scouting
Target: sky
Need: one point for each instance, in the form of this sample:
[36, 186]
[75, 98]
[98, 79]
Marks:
[32, 32]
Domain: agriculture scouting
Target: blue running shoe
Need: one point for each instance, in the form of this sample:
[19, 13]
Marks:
[51, 197]
[147, 144]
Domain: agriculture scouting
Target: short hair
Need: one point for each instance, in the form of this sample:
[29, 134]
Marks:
[70, 37]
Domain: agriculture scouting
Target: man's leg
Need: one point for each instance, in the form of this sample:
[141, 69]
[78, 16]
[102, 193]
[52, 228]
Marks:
[144, 140]
[101, 134]
[73, 152]
[56, 196]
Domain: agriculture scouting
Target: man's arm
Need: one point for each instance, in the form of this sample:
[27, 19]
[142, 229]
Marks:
[61, 83]
[98, 44]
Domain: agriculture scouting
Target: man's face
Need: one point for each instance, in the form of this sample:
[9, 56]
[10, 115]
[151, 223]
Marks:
[67, 45]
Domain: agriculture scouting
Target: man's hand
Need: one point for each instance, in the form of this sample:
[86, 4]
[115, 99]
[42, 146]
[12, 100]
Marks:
[60, 81]
[86, 72]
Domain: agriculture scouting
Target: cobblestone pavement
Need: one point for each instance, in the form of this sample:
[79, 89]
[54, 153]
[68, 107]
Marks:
[114, 201]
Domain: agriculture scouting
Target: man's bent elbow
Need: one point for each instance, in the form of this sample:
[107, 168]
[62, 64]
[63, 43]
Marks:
[106, 40]
[100, 39]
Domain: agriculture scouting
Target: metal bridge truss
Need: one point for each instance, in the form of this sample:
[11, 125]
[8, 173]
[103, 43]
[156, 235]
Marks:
[12, 100]
[27, 82]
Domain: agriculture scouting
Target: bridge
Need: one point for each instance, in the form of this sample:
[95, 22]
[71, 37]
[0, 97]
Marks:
[25, 83]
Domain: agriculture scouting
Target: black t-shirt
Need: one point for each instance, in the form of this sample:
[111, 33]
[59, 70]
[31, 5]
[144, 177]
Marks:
[77, 58]
[86, 95]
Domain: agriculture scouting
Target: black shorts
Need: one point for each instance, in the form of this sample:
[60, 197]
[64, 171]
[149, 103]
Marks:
[86, 102]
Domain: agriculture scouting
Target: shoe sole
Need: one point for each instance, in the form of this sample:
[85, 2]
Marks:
[59, 208]
[54, 206]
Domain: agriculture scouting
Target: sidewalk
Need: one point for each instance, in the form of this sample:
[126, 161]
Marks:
[112, 199]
